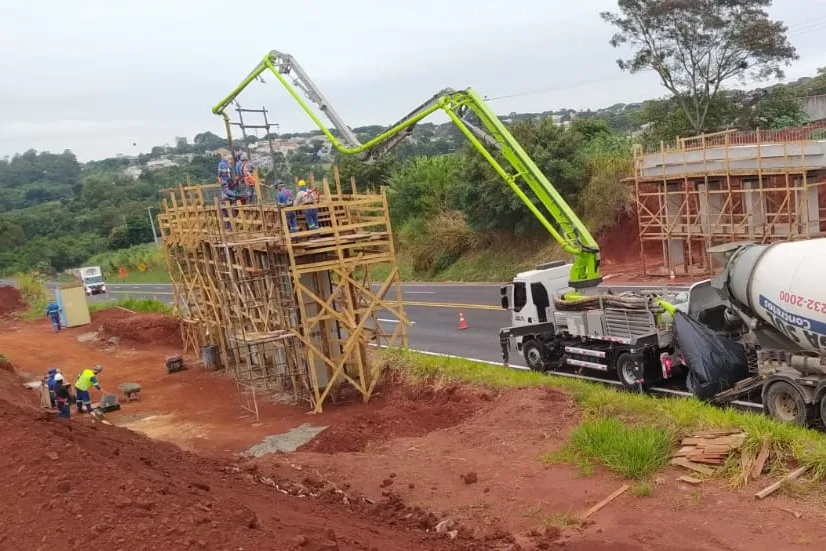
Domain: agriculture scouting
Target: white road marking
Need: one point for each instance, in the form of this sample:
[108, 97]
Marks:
[393, 321]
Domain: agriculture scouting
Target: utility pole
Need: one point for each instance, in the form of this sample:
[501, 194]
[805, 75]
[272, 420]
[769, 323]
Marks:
[152, 223]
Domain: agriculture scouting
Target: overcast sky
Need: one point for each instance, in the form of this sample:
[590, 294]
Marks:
[95, 76]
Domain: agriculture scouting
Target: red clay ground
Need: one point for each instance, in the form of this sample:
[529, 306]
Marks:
[10, 301]
[421, 454]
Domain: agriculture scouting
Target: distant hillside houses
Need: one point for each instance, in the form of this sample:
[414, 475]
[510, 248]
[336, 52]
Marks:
[157, 164]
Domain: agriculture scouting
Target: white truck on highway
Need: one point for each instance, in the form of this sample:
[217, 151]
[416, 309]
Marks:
[627, 333]
[777, 296]
[92, 278]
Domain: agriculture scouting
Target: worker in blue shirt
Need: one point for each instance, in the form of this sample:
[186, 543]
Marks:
[225, 178]
[284, 198]
[238, 167]
[53, 313]
[50, 380]
[63, 397]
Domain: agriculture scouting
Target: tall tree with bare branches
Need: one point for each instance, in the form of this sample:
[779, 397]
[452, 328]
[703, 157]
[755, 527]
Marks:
[695, 46]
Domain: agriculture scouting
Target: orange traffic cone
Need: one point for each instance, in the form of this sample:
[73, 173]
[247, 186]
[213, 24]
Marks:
[462, 322]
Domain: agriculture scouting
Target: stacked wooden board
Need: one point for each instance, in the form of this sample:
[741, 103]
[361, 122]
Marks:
[706, 450]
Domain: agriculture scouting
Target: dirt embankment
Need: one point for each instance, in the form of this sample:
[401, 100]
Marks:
[10, 301]
[155, 329]
[130, 492]
[405, 411]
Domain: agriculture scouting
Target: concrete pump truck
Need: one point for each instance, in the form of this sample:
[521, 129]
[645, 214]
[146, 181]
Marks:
[559, 316]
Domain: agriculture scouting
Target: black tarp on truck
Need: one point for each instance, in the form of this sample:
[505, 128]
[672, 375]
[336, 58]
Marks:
[715, 363]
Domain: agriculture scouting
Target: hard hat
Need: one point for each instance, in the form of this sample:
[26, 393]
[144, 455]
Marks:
[58, 377]
[302, 183]
[97, 369]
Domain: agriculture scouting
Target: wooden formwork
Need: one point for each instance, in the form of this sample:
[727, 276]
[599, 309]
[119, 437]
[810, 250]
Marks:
[725, 191]
[290, 312]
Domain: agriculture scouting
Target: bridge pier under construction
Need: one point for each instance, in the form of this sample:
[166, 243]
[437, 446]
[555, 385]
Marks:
[291, 314]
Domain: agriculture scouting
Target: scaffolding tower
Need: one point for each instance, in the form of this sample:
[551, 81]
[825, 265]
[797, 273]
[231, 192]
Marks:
[759, 186]
[291, 314]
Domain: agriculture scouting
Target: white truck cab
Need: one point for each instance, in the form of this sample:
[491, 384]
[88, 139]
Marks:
[625, 332]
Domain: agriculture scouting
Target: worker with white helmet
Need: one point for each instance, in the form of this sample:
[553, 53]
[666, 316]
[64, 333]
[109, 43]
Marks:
[63, 397]
[86, 380]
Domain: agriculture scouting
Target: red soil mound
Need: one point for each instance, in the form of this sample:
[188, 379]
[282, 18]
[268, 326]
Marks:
[408, 412]
[77, 485]
[12, 389]
[156, 329]
[621, 243]
[10, 300]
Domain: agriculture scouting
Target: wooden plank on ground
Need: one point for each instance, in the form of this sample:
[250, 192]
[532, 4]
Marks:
[683, 462]
[685, 450]
[716, 433]
[768, 490]
[760, 462]
[690, 480]
[621, 490]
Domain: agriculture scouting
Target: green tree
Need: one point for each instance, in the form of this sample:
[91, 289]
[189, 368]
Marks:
[420, 187]
[695, 46]
[776, 108]
[368, 176]
[489, 204]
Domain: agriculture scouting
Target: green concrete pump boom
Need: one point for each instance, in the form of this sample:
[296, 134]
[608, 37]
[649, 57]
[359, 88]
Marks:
[560, 221]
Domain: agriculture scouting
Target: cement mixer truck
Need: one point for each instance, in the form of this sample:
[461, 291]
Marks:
[776, 295]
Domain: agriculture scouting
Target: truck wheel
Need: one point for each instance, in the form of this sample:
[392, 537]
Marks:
[627, 369]
[533, 355]
[823, 408]
[785, 403]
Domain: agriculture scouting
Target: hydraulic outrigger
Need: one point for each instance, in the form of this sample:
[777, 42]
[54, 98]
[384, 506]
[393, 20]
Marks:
[558, 219]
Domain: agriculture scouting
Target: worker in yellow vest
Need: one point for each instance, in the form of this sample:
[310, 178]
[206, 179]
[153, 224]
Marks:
[86, 380]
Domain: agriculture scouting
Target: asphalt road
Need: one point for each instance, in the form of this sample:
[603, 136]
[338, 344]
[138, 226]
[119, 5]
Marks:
[434, 328]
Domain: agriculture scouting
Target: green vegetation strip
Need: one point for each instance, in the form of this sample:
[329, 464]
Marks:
[647, 422]
[142, 305]
[33, 290]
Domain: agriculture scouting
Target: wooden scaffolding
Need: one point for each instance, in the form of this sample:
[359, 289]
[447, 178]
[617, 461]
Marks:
[291, 313]
[761, 186]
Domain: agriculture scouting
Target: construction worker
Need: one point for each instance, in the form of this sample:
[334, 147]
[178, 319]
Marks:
[86, 380]
[53, 313]
[50, 380]
[225, 177]
[62, 396]
[315, 192]
[284, 198]
[238, 155]
[246, 180]
[304, 197]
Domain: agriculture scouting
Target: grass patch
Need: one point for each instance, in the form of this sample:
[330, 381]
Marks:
[142, 305]
[155, 275]
[634, 452]
[148, 255]
[560, 521]
[32, 287]
[790, 443]
[643, 488]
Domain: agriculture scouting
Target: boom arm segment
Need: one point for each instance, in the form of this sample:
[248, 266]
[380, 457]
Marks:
[565, 227]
